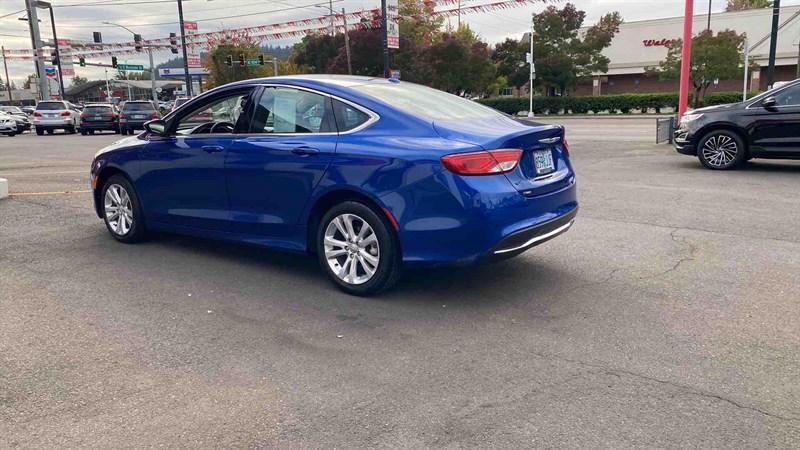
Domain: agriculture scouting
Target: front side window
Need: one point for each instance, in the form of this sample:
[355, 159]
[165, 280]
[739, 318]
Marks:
[219, 116]
[287, 110]
[788, 97]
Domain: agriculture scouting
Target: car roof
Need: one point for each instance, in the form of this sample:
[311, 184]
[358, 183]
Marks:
[322, 79]
[97, 104]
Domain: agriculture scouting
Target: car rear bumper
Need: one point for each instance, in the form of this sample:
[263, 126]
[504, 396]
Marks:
[134, 123]
[98, 125]
[478, 219]
[45, 124]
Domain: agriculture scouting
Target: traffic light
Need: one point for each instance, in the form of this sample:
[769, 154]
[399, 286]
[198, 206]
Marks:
[173, 43]
[54, 57]
[137, 42]
[229, 60]
[114, 62]
[82, 61]
[98, 38]
[260, 60]
[242, 61]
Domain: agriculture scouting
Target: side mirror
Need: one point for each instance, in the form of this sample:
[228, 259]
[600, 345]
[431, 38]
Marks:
[769, 103]
[157, 127]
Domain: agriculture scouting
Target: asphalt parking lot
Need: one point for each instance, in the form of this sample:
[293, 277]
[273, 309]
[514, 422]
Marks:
[668, 316]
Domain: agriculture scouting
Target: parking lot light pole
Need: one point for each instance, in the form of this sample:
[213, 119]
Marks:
[686, 58]
[533, 72]
[152, 67]
[188, 77]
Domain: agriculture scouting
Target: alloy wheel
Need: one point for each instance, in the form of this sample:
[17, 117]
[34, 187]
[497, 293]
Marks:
[720, 150]
[118, 209]
[352, 249]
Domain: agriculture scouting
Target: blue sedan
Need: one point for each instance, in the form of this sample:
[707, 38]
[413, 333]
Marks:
[371, 175]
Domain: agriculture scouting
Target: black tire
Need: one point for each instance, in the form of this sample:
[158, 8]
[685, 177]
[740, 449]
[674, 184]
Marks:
[389, 258]
[51, 131]
[91, 132]
[83, 132]
[137, 231]
[116, 130]
[70, 129]
[39, 131]
[124, 131]
[11, 134]
[721, 150]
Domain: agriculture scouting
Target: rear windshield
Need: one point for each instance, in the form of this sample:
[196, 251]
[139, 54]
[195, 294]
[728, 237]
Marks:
[50, 106]
[426, 102]
[138, 107]
[97, 109]
[11, 109]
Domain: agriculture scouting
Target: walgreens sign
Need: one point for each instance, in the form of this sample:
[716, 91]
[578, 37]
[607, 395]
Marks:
[658, 42]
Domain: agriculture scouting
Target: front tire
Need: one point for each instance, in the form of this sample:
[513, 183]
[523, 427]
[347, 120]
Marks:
[122, 212]
[357, 249]
[721, 150]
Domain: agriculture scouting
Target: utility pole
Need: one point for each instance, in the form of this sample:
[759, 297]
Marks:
[330, 9]
[385, 39]
[347, 44]
[686, 58]
[746, 69]
[152, 76]
[188, 77]
[274, 66]
[459, 14]
[773, 42]
[533, 71]
[108, 88]
[708, 27]
[41, 4]
[8, 82]
[36, 44]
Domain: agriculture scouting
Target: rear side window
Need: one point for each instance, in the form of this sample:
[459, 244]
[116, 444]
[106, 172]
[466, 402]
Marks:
[138, 107]
[50, 106]
[348, 117]
[97, 109]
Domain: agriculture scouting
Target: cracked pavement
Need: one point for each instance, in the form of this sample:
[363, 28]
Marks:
[666, 317]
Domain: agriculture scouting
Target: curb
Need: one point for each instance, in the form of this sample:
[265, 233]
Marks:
[3, 188]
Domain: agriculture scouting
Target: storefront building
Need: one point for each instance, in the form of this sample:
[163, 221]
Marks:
[642, 45]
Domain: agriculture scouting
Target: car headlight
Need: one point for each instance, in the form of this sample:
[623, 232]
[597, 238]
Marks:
[690, 117]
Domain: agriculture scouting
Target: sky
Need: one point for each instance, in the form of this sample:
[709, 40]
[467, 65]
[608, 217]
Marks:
[77, 19]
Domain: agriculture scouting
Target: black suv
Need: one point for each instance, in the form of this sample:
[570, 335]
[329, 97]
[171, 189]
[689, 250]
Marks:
[725, 136]
[135, 113]
[99, 117]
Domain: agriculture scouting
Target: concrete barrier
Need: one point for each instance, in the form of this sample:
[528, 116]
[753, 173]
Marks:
[3, 188]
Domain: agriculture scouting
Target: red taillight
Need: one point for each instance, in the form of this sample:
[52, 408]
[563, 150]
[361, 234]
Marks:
[37, 114]
[565, 146]
[156, 115]
[121, 115]
[65, 114]
[83, 115]
[484, 162]
[113, 116]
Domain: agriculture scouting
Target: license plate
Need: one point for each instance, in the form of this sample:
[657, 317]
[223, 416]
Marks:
[543, 160]
[138, 116]
[51, 115]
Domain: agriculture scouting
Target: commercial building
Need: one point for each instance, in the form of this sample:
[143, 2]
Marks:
[643, 44]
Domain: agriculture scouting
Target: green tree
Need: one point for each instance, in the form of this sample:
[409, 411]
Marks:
[315, 52]
[741, 5]
[563, 57]
[459, 66]
[29, 81]
[717, 57]
[220, 73]
[78, 80]
[509, 57]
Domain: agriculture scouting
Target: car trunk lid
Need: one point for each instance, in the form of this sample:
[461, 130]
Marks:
[544, 165]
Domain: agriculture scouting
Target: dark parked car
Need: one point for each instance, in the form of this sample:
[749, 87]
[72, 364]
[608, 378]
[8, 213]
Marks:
[371, 175]
[99, 117]
[725, 136]
[23, 122]
[135, 113]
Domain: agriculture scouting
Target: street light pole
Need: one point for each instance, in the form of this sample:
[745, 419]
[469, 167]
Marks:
[42, 4]
[773, 42]
[188, 77]
[152, 66]
[347, 43]
[385, 39]
[36, 45]
[8, 82]
[530, 88]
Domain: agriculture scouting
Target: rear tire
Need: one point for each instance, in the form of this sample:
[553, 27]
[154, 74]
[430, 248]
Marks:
[122, 212]
[83, 132]
[50, 131]
[357, 248]
[39, 131]
[721, 150]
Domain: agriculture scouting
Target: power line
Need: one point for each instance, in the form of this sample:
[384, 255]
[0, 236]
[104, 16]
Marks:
[98, 4]
[11, 14]
[202, 20]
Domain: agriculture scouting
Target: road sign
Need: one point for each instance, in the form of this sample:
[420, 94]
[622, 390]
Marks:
[395, 74]
[252, 62]
[392, 27]
[180, 73]
[130, 67]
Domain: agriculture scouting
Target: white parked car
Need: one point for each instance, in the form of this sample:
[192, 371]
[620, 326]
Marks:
[8, 125]
[54, 115]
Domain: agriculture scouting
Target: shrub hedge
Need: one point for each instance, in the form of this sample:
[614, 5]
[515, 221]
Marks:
[614, 104]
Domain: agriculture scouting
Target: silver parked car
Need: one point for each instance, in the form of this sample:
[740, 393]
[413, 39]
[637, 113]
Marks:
[54, 115]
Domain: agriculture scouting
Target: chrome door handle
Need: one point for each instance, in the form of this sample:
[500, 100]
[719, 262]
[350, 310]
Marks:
[212, 148]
